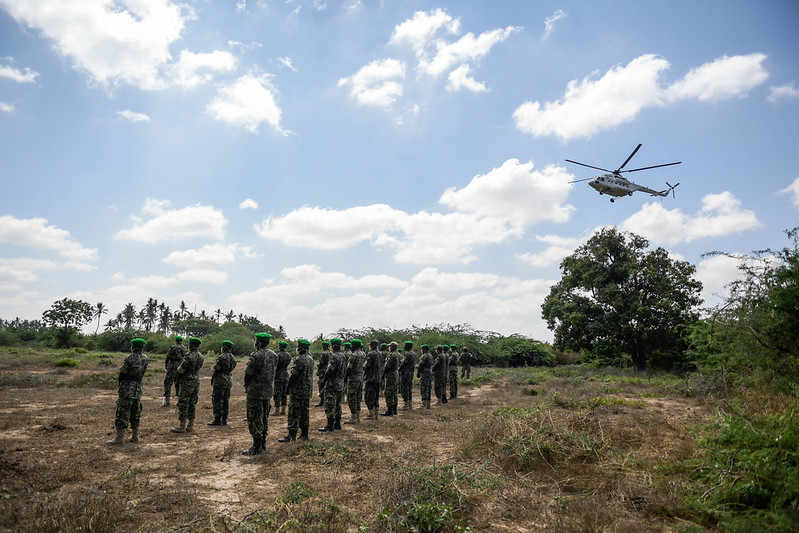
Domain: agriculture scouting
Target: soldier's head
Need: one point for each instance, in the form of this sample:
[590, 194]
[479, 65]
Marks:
[179, 339]
[356, 344]
[194, 343]
[465, 349]
[137, 344]
[383, 346]
[439, 349]
[425, 348]
[453, 347]
[336, 344]
[303, 346]
[347, 346]
[325, 345]
[282, 345]
[373, 344]
[262, 340]
[408, 345]
[445, 348]
[392, 346]
[227, 346]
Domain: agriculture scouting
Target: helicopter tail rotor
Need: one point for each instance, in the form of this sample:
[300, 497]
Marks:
[671, 188]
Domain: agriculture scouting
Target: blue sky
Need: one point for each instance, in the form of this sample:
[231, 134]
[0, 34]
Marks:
[325, 164]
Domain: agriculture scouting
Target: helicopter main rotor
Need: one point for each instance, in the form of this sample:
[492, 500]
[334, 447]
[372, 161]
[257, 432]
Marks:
[618, 172]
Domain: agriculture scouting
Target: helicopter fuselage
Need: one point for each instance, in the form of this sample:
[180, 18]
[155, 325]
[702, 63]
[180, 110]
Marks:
[613, 185]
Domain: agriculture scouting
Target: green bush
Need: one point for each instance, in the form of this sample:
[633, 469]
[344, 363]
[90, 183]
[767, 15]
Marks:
[67, 362]
[520, 351]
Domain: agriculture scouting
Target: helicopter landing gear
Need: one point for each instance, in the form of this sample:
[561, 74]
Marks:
[612, 200]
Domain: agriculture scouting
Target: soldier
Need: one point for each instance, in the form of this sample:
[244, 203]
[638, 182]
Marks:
[333, 381]
[174, 356]
[129, 393]
[355, 381]
[406, 368]
[324, 358]
[300, 390]
[221, 384]
[392, 380]
[454, 360]
[189, 372]
[371, 375]
[425, 375]
[281, 378]
[383, 355]
[440, 376]
[466, 363]
[259, 383]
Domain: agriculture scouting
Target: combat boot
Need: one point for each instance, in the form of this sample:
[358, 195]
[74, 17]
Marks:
[329, 426]
[256, 445]
[304, 433]
[351, 419]
[320, 404]
[216, 422]
[262, 447]
[438, 402]
[224, 421]
[180, 429]
[134, 437]
[120, 438]
[291, 437]
[387, 412]
[337, 424]
[165, 401]
[427, 404]
[190, 426]
[394, 411]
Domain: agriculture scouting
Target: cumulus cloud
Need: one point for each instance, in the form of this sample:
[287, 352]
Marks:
[23, 269]
[193, 69]
[209, 256]
[783, 92]
[377, 84]
[792, 190]
[36, 233]
[592, 105]
[173, 224]
[460, 78]
[19, 76]
[715, 273]
[721, 214]
[7, 108]
[249, 203]
[247, 102]
[133, 116]
[557, 248]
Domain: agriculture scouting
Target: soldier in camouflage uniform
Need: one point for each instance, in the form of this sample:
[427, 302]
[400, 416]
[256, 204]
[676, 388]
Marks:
[259, 384]
[371, 376]
[333, 381]
[425, 375]
[221, 384]
[406, 368]
[189, 372]
[440, 376]
[466, 363]
[324, 358]
[355, 381]
[300, 390]
[392, 380]
[454, 361]
[281, 378]
[383, 355]
[174, 356]
[128, 410]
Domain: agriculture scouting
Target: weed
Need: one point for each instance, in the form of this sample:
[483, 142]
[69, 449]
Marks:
[23, 380]
[67, 362]
[296, 492]
[93, 381]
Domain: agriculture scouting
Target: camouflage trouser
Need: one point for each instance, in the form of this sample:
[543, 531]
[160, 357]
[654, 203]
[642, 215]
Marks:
[372, 395]
[440, 383]
[453, 383]
[425, 387]
[280, 393]
[466, 371]
[406, 387]
[258, 407]
[128, 413]
[333, 403]
[320, 387]
[187, 401]
[220, 398]
[354, 393]
[299, 414]
[170, 377]
[391, 394]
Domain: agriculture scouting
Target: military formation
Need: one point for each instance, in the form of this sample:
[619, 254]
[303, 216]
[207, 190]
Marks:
[346, 373]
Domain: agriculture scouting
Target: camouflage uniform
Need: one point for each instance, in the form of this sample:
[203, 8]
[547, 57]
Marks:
[392, 381]
[425, 375]
[355, 381]
[333, 382]
[372, 374]
[281, 379]
[300, 390]
[189, 372]
[174, 356]
[259, 383]
[454, 360]
[383, 355]
[221, 384]
[466, 363]
[440, 376]
[128, 410]
[324, 359]
[406, 369]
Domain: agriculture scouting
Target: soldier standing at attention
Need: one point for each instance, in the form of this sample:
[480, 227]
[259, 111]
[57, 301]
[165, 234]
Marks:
[174, 356]
[189, 372]
[371, 377]
[355, 381]
[221, 384]
[128, 410]
[406, 368]
[300, 390]
[333, 381]
[392, 378]
[383, 355]
[466, 363]
[454, 360]
[440, 376]
[425, 375]
[324, 359]
[281, 378]
[259, 384]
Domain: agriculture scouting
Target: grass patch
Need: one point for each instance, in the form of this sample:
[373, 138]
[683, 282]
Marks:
[24, 380]
[67, 362]
[93, 381]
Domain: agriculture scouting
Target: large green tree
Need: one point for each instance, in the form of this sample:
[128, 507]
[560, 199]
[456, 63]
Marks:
[617, 298]
[68, 315]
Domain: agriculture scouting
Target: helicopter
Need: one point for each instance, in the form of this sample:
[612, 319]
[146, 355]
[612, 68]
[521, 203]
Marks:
[616, 185]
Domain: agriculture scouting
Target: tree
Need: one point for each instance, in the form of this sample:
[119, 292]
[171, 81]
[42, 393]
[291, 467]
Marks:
[99, 310]
[616, 298]
[69, 314]
[128, 315]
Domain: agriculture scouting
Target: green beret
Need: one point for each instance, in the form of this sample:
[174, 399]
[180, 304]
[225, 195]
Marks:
[335, 342]
[348, 344]
[357, 343]
[325, 343]
[138, 343]
[178, 338]
[228, 344]
[383, 345]
[445, 346]
[453, 345]
[263, 336]
[304, 343]
[282, 344]
[408, 344]
[425, 346]
[194, 340]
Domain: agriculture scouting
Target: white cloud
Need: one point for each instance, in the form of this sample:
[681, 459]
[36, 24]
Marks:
[467, 49]
[247, 102]
[557, 248]
[36, 233]
[286, 62]
[460, 79]
[193, 69]
[715, 273]
[420, 29]
[377, 84]
[549, 22]
[517, 192]
[593, 105]
[793, 191]
[133, 116]
[214, 277]
[249, 203]
[23, 269]
[721, 214]
[209, 256]
[783, 92]
[7, 108]
[11, 73]
[168, 225]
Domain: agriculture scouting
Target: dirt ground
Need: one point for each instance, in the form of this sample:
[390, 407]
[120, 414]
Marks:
[58, 473]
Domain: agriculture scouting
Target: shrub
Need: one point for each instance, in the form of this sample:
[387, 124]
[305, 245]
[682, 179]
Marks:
[67, 362]
[519, 351]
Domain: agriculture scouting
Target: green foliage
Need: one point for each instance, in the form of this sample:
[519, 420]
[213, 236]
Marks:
[69, 315]
[67, 362]
[519, 351]
[296, 491]
[117, 340]
[94, 381]
[196, 327]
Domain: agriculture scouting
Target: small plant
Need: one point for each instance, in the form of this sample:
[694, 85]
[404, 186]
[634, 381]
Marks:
[67, 362]
[296, 492]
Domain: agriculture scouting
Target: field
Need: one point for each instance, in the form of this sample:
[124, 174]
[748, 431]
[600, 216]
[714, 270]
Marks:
[563, 449]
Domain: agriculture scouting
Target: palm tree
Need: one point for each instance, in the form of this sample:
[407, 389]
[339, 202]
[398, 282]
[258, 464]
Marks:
[99, 310]
[218, 315]
[182, 310]
[150, 314]
[229, 316]
[129, 315]
[164, 318]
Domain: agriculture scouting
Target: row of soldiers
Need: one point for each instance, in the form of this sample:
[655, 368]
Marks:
[351, 371]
